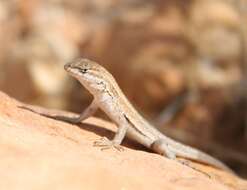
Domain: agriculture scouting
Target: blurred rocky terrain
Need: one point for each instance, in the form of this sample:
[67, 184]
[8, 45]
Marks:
[182, 63]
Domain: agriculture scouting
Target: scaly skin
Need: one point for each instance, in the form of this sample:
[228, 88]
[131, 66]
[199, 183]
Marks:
[110, 98]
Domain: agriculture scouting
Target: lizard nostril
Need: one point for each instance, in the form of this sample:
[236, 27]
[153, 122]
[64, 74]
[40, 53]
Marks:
[66, 67]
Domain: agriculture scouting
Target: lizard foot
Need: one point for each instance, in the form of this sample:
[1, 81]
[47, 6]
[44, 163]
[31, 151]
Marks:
[105, 143]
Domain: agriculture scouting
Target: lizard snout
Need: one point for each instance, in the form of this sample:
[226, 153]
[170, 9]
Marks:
[66, 67]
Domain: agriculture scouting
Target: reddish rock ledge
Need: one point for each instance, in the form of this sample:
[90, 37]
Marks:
[42, 153]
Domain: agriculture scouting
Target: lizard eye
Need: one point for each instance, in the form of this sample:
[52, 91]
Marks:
[84, 70]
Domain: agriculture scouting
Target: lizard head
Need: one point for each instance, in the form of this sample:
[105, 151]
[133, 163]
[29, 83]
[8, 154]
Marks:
[92, 75]
[80, 67]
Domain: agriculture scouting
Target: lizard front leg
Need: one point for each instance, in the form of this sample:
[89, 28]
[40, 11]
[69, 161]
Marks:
[105, 143]
[89, 111]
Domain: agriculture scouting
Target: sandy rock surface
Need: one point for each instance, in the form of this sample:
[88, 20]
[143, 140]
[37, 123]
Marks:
[42, 153]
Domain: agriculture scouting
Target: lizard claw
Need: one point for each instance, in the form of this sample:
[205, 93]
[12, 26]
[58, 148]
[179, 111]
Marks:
[105, 143]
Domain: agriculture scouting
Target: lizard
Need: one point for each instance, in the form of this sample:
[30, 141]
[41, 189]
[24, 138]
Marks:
[108, 97]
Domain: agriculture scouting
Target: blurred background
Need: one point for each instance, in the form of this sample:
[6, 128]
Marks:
[182, 63]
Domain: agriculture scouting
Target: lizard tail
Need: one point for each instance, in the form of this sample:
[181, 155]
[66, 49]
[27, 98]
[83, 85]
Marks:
[185, 151]
[205, 158]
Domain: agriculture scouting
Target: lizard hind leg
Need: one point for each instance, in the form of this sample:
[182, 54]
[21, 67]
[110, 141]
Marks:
[162, 147]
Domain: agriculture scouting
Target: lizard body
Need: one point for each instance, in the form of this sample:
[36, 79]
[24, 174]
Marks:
[110, 98]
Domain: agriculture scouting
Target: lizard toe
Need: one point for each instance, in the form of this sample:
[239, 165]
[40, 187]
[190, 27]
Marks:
[105, 144]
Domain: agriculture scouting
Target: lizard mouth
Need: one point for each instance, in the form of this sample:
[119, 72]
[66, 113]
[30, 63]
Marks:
[72, 71]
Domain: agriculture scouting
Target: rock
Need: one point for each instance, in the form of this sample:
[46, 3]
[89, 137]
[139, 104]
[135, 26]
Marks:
[42, 153]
